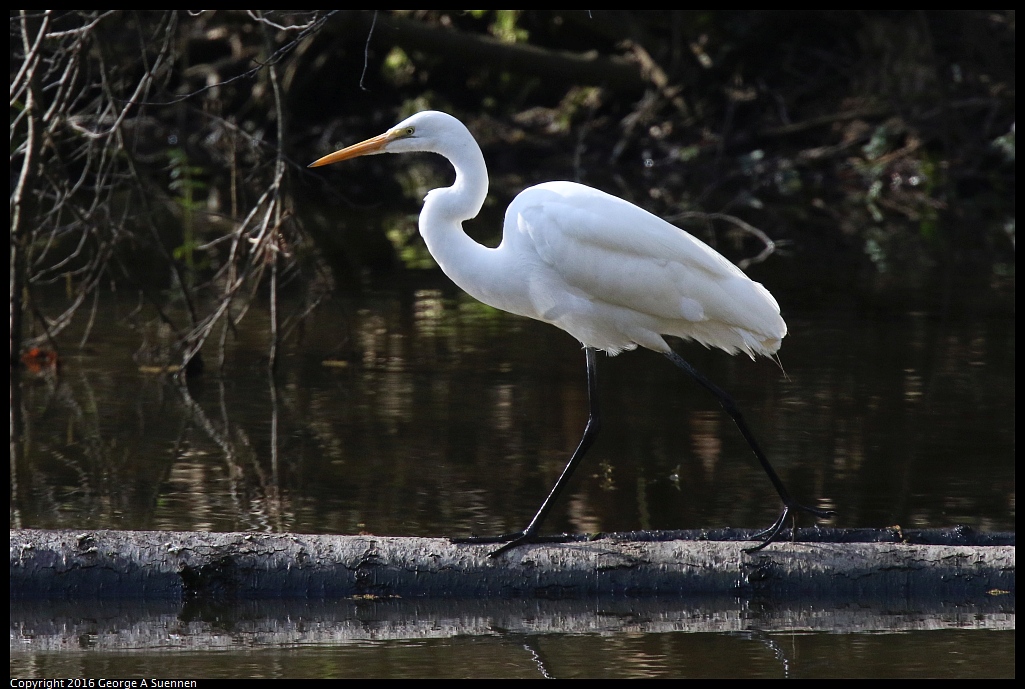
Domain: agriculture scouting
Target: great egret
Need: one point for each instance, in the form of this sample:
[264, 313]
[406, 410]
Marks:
[609, 273]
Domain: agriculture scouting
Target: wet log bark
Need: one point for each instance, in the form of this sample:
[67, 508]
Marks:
[181, 565]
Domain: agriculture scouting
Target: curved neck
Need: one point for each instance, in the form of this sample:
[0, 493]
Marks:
[462, 200]
[469, 264]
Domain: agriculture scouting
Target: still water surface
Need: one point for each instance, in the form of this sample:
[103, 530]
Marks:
[943, 653]
[420, 412]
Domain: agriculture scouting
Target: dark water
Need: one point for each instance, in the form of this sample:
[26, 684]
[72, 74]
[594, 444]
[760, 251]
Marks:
[421, 412]
[434, 416]
[942, 653]
[482, 639]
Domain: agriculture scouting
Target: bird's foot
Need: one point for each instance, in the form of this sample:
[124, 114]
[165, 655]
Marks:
[477, 540]
[512, 540]
[509, 541]
[769, 535]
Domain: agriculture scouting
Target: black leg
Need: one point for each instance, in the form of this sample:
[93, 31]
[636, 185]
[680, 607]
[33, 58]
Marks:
[590, 433]
[789, 504]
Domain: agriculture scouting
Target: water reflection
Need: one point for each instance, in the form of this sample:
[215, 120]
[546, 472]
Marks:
[674, 637]
[425, 413]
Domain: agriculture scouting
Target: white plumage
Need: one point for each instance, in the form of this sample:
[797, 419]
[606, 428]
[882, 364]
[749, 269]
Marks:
[611, 274]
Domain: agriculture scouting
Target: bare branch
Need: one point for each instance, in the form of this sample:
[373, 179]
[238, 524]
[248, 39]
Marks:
[770, 245]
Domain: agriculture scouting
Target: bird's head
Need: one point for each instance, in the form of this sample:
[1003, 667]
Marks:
[424, 131]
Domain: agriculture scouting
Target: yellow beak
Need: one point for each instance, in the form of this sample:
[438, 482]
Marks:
[368, 147]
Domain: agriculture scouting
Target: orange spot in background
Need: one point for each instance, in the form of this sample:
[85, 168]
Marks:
[37, 360]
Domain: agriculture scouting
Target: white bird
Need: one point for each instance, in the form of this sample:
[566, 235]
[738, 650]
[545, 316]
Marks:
[609, 273]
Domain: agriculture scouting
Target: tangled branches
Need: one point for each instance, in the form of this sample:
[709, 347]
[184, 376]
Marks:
[126, 167]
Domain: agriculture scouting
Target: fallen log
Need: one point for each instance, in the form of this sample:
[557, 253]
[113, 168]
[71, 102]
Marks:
[611, 71]
[186, 565]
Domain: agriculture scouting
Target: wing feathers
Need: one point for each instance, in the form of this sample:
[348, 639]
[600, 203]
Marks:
[610, 251]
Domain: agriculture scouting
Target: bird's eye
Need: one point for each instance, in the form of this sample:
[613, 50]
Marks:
[410, 130]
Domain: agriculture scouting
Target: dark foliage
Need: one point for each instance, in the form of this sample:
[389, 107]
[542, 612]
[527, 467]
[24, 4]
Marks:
[165, 151]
